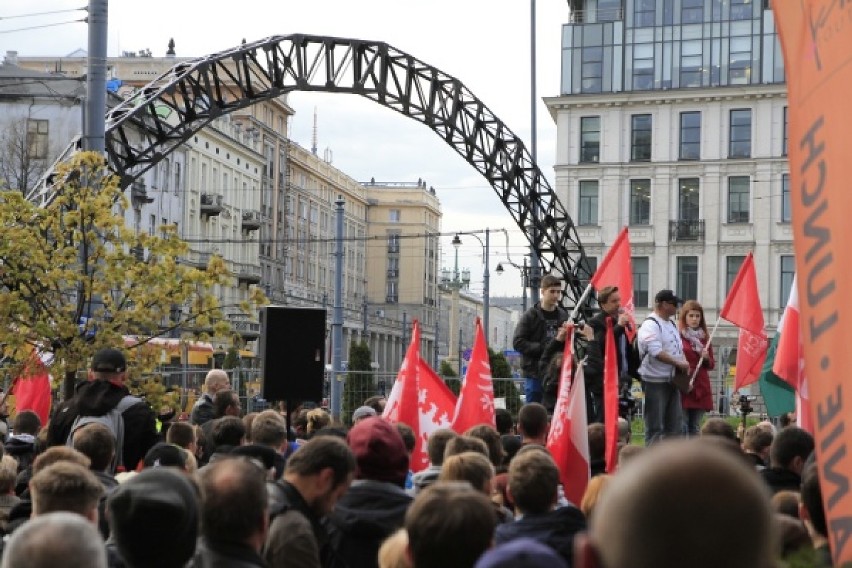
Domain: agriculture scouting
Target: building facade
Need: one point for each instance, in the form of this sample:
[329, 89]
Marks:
[672, 121]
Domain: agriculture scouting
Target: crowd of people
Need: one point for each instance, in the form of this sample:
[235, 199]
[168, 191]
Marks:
[102, 485]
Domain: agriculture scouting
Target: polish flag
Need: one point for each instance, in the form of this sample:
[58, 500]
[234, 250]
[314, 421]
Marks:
[616, 269]
[419, 399]
[789, 363]
[610, 398]
[476, 399]
[568, 439]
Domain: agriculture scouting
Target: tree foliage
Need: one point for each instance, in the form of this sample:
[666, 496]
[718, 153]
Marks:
[73, 281]
[360, 383]
[504, 386]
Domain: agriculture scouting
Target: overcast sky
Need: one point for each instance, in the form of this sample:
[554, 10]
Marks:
[483, 43]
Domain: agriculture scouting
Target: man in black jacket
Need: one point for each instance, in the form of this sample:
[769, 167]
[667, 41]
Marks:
[609, 300]
[104, 390]
[538, 327]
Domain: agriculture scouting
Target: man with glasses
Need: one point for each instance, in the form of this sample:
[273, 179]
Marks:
[662, 353]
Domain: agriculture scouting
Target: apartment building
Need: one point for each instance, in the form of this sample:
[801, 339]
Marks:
[672, 121]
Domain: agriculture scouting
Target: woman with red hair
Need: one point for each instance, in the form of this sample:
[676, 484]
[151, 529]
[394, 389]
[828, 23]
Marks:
[696, 343]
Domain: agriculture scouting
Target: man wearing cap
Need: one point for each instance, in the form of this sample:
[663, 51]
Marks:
[105, 390]
[662, 354]
[361, 413]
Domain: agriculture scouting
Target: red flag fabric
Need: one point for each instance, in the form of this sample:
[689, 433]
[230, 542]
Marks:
[610, 398]
[405, 407]
[742, 306]
[789, 362]
[476, 399]
[419, 399]
[568, 439]
[32, 390]
[616, 269]
[751, 353]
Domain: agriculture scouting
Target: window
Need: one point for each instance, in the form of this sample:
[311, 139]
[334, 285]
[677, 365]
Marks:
[643, 13]
[690, 63]
[739, 145]
[592, 69]
[588, 202]
[588, 267]
[393, 267]
[643, 66]
[786, 133]
[590, 139]
[687, 277]
[394, 215]
[692, 12]
[786, 209]
[788, 271]
[640, 281]
[37, 132]
[738, 199]
[741, 9]
[739, 70]
[393, 242]
[688, 199]
[640, 202]
[640, 138]
[392, 291]
[152, 224]
[690, 135]
[732, 267]
[177, 187]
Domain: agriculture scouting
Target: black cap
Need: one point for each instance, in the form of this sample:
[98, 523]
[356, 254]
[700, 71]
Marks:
[109, 361]
[163, 454]
[667, 296]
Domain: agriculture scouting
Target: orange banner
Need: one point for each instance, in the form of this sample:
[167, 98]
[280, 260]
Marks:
[817, 39]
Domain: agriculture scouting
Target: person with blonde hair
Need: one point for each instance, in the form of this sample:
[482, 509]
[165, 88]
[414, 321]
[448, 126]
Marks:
[392, 552]
[696, 347]
[317, 420]
[8, 499]
[597, 485]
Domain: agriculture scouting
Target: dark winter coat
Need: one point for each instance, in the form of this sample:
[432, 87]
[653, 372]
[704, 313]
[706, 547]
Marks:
[530, 338]
[96, 398]
[555, 529]
[368, 513]
[225, 555]
[22, 449]
[595, 353]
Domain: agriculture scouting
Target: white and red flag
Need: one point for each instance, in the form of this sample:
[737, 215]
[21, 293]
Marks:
[616, 269]
[568, 439]
[742, 308]
[420, 400]
[476, 399]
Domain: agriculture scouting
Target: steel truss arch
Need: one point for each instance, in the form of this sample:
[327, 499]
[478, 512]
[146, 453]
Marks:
[198, 91]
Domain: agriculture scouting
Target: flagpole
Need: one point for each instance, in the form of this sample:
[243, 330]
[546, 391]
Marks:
[701, 359]
[582, 299]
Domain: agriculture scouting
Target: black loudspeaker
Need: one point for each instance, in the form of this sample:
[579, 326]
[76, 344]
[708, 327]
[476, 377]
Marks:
[292, 348]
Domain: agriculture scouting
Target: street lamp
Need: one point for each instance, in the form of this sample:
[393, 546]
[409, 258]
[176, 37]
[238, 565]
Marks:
[486, 277]
[523, 270]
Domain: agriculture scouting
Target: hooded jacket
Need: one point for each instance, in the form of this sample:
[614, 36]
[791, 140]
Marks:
[555, 529]
[368, 513]
[96, 398]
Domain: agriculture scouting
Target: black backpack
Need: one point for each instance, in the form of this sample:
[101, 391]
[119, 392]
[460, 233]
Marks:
[638, 355]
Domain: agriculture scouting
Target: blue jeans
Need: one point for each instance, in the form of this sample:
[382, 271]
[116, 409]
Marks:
[662, 412]
[532, 390]
[692, 421]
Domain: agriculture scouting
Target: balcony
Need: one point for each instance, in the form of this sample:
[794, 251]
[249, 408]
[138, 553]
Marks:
[391, 299]
[251, 220]
[199, 260]
[138, 252]
[393, 273]
[246, 273]
[212, 204]
[686, 231]
[139, 193]
[248, 329]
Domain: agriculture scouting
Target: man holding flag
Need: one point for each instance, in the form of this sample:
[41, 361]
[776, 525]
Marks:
[609, 300]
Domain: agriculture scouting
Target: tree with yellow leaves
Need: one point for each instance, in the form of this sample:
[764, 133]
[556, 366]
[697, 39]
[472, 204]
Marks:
[72, 283]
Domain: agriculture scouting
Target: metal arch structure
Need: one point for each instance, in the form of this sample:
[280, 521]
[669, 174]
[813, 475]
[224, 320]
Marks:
[200, 90]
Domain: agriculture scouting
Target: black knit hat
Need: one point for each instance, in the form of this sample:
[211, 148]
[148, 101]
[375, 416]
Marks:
[154, 511]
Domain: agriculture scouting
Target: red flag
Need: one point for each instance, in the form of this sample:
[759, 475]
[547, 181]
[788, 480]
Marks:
[610, 398]
[742, 306]
[404, 403]
[476, 399]
[426, 406]
[751, 353]
[568, 440]
[616, 269]
[32, 390]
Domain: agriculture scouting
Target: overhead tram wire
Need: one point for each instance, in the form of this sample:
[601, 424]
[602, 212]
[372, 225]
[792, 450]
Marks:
[51, 12]
[81, 20]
